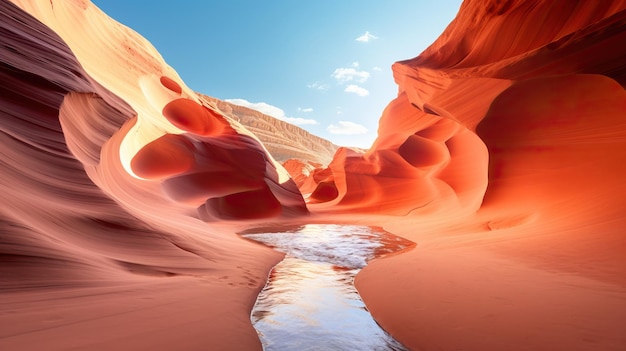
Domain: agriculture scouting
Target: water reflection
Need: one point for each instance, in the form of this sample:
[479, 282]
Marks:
[310, 302]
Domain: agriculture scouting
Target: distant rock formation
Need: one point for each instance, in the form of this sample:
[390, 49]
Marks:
[283, 140]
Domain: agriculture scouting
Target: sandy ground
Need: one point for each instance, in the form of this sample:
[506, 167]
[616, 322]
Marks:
[491, 294]
[451, 292]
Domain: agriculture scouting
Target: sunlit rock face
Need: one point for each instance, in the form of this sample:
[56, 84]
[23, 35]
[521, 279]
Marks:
[226, 174]
[81, 98]
[66, 195]
[517, 102]
[177, 140]
[542, 85]
[70, 214]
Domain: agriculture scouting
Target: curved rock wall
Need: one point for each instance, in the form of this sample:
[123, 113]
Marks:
[494, 94]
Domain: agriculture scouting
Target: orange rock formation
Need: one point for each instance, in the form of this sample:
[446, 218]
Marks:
[518, 113]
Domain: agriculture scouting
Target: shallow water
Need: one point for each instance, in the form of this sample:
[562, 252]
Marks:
[310, 302]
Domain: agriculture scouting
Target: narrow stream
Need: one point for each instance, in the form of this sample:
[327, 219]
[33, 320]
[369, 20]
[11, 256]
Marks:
[310, 302]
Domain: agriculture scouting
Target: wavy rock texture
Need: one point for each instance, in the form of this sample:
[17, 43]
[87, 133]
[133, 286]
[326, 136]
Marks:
[169, 116]
[85, 248]
[516, 112]
[427, 136]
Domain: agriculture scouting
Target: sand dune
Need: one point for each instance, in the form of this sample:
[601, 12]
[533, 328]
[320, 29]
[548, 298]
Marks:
[502, 157]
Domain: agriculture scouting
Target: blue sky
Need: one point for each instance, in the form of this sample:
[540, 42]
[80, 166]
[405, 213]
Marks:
[324, 65]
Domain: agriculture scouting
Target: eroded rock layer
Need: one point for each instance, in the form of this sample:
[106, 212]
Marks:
[282, 140]
[445, 140]
[516, 115]
[79, 228]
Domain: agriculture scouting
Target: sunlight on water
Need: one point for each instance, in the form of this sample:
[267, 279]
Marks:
[310, 302]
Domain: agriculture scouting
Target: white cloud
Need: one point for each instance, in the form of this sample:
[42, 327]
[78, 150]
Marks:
[318, 86]
[343, 75]
[305, 110]
[355, 64]
[376, 68]
[367, 37]
[299, 121]
[259, 106]
[360, 91]
[346, 128]
[271, 110]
